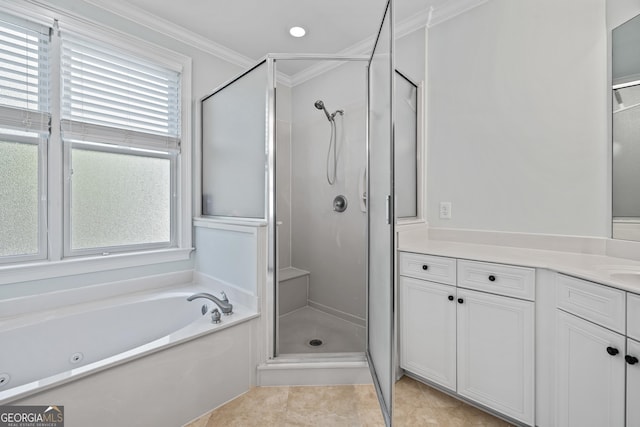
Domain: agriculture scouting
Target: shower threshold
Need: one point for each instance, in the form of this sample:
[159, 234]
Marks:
[314, 369]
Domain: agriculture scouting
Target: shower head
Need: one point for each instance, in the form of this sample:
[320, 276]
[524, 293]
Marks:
[320, 106]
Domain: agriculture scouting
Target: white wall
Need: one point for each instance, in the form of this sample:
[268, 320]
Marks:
[517, 128]
[229, 254]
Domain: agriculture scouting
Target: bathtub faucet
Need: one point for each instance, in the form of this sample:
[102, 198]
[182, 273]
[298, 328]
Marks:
[224, 304]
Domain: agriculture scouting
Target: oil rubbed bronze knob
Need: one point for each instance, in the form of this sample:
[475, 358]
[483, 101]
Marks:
[450, 297]
[612, 351]
[425, 267]
[460, 300]
[492, 278]
[631, 360]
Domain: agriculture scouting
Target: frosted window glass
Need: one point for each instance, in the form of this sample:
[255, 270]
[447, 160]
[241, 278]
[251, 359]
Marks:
[406, 138]
[18, 199]
[233, 148]
[119, 199]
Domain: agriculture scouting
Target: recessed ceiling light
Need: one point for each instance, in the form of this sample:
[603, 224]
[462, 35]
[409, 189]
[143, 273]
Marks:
[297, 31]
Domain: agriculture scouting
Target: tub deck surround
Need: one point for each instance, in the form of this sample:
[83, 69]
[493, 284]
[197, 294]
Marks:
[161, 318]
[621, 273]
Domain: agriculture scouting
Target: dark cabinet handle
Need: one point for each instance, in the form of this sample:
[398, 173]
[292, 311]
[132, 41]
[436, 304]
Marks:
[425, 267]
[631, 360]
[460, 300]
[450, 297]
[492, 278]
[612, 351]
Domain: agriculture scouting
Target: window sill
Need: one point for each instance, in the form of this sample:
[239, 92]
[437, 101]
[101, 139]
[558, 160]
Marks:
[73, 266]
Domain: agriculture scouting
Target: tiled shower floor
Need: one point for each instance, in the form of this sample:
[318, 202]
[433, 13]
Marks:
[337, 335]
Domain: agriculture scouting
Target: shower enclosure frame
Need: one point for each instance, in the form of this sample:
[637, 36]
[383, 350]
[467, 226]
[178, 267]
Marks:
[266, 237]
[272, 268]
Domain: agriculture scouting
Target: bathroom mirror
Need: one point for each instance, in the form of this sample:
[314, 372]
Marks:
[625, 48]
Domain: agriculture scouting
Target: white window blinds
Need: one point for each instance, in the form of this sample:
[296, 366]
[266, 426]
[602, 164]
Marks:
[24, 75]
[112, 97]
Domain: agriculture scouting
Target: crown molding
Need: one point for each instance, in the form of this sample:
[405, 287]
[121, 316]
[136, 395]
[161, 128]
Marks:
[163, 26]
[451, 9]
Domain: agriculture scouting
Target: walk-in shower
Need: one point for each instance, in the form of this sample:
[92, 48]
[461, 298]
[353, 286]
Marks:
[324, 275]
[317, 254]
[321, 284]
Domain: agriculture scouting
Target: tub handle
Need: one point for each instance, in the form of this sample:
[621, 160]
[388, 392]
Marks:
[215, 316]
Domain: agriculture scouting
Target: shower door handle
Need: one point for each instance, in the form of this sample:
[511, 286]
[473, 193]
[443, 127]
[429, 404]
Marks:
[388, 209]
[362, 189]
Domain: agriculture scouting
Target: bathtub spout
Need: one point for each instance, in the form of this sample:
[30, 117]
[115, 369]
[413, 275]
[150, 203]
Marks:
[225, 306]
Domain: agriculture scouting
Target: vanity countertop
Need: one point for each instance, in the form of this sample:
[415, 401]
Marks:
[620, 273]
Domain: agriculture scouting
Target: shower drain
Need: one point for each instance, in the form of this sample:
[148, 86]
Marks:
[315, 342]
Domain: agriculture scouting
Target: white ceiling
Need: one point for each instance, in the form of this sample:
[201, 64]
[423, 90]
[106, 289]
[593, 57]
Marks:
[253, 28]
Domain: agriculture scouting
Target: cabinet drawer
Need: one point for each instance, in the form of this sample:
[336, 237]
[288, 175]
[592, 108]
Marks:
[591, 301]
[428, 267]
[633, 316]
[518, 282]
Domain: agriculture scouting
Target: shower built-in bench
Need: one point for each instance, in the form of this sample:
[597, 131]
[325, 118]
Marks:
[293, 289]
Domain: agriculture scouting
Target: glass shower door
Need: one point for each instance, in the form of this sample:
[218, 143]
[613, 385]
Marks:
[380, 196]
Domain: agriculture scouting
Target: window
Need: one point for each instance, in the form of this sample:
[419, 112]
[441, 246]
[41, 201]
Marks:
[93, 165]
[121, 134]
[24, 128]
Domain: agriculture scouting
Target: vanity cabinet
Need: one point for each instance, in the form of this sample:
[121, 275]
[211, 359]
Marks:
[495, 354]
[590, 377]
[465, 331]
[427, 350]
[596, 363]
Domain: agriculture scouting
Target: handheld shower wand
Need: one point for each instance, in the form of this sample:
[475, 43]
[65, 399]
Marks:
[333, 141]
[320, 106]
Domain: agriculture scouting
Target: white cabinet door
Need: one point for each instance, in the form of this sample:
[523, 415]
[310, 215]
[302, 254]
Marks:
[428, 330]
[496, 353]
[590, 374]
[633, 383]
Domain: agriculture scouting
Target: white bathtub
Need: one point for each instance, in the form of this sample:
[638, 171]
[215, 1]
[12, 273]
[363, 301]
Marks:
[55, 355]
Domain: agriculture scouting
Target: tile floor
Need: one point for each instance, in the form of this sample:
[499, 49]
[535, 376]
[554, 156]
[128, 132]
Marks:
[338, 336]
[344, 406]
